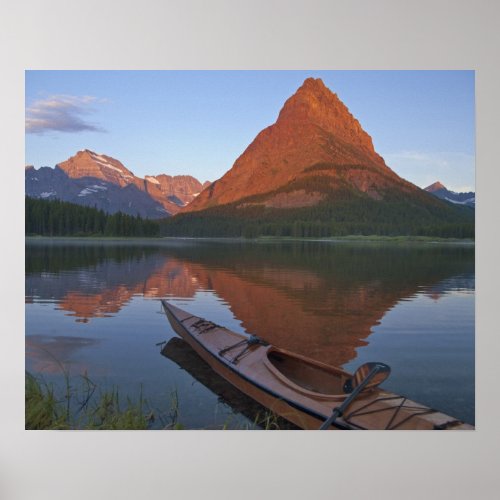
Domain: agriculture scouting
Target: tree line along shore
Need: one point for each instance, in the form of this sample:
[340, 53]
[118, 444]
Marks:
[59, 218]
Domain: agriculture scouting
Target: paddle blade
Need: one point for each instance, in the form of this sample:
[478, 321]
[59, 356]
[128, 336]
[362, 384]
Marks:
[362, 372]
[383, 371]
[367, 376]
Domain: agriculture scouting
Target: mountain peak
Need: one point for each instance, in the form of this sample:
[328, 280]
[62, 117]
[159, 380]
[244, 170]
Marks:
[314, 84]
[85, 153]
[315, 104]
[313, 128]
[436, 186]
[440, 191]
[86, 163]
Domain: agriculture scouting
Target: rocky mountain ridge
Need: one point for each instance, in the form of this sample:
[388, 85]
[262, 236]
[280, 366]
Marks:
[92, 179]
[440, 191]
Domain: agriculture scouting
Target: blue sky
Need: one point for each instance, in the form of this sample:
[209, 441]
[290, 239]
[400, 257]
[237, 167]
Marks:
[199, 122]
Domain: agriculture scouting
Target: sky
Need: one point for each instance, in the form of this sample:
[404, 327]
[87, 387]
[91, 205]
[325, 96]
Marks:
[198, 122]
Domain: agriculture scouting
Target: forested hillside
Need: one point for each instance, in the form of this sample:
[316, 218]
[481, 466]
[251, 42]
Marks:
[341, 213]
[60, 218]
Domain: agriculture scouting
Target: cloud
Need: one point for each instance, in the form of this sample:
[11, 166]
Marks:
[455, 170]
[61, 113]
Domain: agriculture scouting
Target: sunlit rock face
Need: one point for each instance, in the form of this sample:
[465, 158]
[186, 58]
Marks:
[315, 134]
[178, 190]
[89, 164]
[98, 180]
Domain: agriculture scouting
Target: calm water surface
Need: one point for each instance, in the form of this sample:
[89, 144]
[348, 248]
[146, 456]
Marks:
[93, 307]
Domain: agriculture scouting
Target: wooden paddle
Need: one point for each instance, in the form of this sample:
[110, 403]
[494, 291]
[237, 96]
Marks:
[375, 371]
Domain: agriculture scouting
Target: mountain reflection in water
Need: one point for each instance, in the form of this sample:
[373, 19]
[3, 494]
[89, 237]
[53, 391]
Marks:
[319, 299]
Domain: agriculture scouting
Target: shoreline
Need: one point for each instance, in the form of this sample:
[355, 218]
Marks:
[261, 239]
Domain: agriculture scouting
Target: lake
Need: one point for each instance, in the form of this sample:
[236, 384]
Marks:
[93, 307]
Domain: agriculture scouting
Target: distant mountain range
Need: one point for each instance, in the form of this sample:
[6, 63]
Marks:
[98, 180]
[315, 172]
[437, 189]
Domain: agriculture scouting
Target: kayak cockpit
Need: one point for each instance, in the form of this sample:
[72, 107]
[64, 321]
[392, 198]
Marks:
[308, 376]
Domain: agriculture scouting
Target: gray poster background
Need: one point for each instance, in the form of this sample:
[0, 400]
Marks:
[272, 34]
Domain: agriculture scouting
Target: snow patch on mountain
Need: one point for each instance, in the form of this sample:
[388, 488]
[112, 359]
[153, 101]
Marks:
[99, 157]
[86, 192]
[105, 163]
[152, 179]
[469, 201]
[95, 188]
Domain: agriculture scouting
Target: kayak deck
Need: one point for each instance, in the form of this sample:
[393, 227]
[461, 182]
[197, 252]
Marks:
[299, 389]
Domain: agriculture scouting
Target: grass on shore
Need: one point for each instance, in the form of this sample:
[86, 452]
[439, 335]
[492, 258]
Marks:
[81, 408]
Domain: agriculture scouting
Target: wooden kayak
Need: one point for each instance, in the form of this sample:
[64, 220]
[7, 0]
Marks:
[184, 356]
[299, 389]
